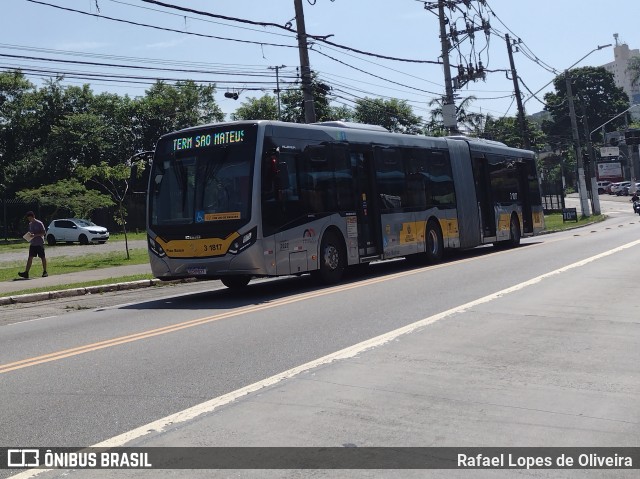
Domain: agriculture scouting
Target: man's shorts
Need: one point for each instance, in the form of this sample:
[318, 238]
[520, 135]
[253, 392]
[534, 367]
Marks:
[36, 250]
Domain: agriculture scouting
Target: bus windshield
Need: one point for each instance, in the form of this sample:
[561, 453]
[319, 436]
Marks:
[202, 179]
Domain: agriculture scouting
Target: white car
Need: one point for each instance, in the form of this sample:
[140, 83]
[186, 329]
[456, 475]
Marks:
[616, 188]
[74, 230]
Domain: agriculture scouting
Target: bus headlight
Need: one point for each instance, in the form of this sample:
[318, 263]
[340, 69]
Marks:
[155, 247]
[243, 242]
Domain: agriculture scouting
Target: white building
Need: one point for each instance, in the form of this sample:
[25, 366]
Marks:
[622, 54]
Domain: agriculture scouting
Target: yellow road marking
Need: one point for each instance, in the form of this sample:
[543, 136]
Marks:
[24, 363]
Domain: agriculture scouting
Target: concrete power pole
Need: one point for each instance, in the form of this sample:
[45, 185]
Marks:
[522, 120]
[582, 186]
[448, 105]
[305, 69]
[277, 68]
[595, 199]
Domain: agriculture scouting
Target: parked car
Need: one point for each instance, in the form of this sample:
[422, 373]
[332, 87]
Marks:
[602, 186]
[627, 189]
[616, 188]
[74, 230]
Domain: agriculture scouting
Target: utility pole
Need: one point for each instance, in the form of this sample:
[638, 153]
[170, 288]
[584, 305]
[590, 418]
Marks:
[276, 68]
[595, 199]
[582, 186]
[305, 69]
[448, 105]
[522, 120]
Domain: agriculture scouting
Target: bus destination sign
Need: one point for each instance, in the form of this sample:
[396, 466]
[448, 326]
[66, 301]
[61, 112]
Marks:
[201, 141]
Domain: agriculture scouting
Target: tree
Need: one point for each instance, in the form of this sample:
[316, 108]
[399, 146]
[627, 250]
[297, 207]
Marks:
[507, 130]
[343, 113]
[264, 108]
[633, 68]
[394, 115]
[596, 97]
[166, 108]
[466, 120]
[292, 103]
[115, 181]
[68, 195]
[18, 124]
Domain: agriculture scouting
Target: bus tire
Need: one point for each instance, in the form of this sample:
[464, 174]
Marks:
[236, 282]
[434, 244]
[333, 258]
[514, 234]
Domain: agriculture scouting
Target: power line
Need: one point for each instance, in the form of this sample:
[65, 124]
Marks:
[371, 74]
[135, 67]
[200, 19]
[318, 38]
[129, 59]
[146, 25]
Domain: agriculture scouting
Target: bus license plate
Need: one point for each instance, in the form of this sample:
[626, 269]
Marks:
[197, 271]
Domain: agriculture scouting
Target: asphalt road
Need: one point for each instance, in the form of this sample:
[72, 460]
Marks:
[535, 346]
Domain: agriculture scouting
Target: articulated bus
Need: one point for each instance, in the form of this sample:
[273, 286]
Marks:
[247, 199]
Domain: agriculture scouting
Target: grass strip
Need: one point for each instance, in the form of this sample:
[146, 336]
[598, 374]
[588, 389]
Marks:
[71, 264]
[554, 222]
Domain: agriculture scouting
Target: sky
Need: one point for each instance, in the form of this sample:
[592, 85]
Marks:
[554, 35]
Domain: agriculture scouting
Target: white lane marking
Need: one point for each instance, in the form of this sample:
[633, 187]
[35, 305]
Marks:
[206, 407]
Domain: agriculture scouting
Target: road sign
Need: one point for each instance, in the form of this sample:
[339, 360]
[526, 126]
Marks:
[607, 151]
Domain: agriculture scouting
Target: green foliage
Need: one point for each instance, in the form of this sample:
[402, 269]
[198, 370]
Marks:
[264, 108]
[633, 68]
[69, 195]
[395, 115]
[45, 133]
[166, 108]
[596, 97]
[70, 264]
[467, 121]
[507, 130]
[115, 181]
[292, 103]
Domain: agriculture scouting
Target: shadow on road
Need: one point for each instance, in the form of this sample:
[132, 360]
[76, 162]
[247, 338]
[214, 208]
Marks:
[266, 290]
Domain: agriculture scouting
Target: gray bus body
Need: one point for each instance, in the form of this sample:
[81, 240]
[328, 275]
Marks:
[264, 198]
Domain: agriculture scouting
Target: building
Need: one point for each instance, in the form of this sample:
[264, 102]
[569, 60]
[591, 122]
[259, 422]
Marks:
[622, 54]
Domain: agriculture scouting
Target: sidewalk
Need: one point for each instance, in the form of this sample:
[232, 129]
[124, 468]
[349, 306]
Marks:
[54, 283]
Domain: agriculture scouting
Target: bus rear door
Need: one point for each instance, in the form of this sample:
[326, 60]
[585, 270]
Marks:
[367, 208]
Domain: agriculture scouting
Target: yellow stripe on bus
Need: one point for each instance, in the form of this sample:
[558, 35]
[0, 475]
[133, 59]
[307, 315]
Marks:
[197, 248]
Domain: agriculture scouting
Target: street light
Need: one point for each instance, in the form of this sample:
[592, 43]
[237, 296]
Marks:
[582, 186]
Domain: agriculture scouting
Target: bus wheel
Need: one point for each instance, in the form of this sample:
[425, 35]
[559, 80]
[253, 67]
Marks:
[435, 243]
[514, 232]
[514, 235]
[236, 282]
[332, 259]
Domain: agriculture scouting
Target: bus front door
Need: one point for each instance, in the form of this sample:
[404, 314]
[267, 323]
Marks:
[367, 208]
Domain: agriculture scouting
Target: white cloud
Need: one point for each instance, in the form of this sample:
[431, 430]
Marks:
[168, 44]
[80, 46]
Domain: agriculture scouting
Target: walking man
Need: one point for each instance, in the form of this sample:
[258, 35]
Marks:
[36, 235]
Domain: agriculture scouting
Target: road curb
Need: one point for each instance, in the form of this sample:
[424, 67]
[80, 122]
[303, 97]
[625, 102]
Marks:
[104, 288]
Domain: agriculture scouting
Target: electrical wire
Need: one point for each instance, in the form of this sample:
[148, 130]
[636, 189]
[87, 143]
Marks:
[146, 25]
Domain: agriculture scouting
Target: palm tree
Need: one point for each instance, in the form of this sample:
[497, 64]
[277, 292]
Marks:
[468, 121]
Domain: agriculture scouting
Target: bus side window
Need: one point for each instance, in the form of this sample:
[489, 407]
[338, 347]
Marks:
[390, 177]
[415, 161]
